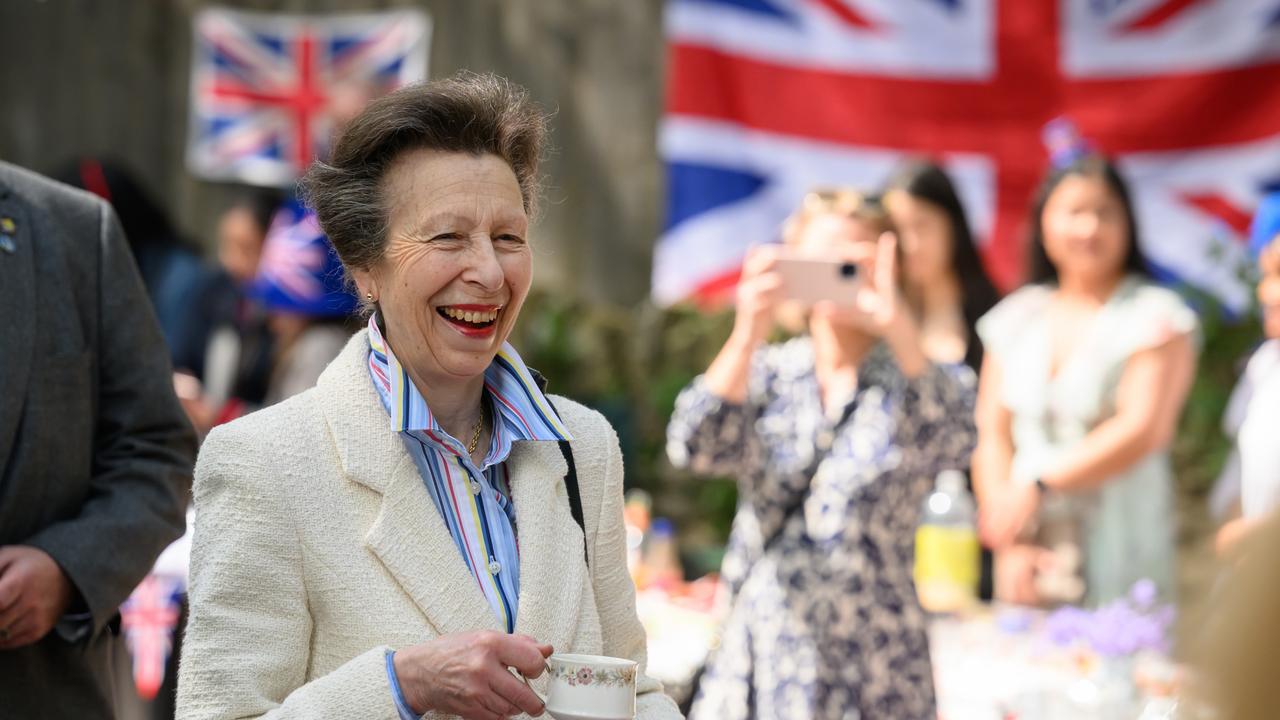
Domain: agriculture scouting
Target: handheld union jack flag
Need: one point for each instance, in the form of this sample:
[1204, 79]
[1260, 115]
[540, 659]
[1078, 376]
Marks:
[300, 271]
[149, 618]
[767, 98]
[267, 90]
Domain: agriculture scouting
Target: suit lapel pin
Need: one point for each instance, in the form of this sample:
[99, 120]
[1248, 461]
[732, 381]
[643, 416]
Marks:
[7, 229]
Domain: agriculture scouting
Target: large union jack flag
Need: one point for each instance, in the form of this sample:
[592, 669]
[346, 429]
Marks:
[767, 98]
[266, 90]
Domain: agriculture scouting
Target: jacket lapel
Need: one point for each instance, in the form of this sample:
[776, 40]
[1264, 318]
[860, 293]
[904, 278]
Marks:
[551, 566]
[411, 540]
[17, 320]
[408, 535]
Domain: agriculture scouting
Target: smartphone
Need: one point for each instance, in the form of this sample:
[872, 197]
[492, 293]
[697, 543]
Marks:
[812, 280]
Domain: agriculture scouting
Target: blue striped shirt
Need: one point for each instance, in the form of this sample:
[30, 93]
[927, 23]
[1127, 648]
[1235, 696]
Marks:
[474, 501]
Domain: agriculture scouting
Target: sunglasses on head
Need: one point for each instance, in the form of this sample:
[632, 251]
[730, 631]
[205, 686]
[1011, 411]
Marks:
[846, 200]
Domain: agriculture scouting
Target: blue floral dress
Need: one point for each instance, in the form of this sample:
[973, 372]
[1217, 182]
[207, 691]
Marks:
[825, 623]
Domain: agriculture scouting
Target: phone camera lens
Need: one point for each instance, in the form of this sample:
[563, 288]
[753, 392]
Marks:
[848, 270]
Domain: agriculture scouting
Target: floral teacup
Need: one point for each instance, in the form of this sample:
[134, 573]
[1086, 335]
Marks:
[590, 687]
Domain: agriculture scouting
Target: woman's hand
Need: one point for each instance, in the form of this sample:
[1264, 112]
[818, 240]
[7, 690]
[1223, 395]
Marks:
[190, 393]
[759, 292]
[1231, 533]
[1015, 574]
[466, 674]
[1007, 515]
[878, 308]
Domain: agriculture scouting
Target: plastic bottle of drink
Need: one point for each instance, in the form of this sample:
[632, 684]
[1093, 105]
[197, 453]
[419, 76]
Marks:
[947, 551]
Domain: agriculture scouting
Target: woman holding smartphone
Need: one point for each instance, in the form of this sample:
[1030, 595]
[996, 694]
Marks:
[834, 438]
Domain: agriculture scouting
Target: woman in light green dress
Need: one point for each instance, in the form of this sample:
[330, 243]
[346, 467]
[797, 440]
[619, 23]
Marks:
[1086, 372]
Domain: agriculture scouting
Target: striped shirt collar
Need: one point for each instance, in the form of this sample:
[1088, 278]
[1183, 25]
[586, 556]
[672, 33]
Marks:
[514, 389]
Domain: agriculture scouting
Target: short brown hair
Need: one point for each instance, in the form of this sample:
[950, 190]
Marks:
[468, 112]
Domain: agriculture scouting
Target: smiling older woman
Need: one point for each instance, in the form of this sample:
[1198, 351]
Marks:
[391, 541]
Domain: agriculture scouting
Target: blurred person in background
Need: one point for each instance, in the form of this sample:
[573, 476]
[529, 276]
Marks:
[834, 438]
[176, 277]
[943, 277]
[942, 274]
[1224, 500]
[334, 572]
[1256, 399]
[95, 454]
[237, 366]
[1086, 371]
[242, 231]
[301, 286]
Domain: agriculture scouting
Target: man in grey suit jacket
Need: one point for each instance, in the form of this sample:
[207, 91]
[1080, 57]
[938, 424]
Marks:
[95, 451]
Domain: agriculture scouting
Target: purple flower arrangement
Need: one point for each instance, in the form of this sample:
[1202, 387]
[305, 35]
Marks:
[1123, 627]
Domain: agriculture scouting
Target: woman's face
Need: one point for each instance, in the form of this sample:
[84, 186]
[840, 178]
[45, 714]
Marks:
[924, 234]
[240, 241]
[1086, 230]
[457, 264]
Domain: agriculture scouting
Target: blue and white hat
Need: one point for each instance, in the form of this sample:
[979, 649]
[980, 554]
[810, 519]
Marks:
[300, 271]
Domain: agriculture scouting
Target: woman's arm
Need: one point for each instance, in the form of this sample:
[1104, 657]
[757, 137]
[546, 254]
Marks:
[1015, 565]
[1149, 399]
[247, 644]
[993, 457]
[759, 291]
[727, 376]
[711, 425]
[707, 433]
[711, 429]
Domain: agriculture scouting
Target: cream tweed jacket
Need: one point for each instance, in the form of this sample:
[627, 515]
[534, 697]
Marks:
[317, 548]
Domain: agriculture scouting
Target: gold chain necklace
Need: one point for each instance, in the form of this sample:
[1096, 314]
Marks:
[475, 432]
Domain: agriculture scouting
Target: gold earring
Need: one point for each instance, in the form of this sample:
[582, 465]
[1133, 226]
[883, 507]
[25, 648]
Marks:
[368, 296]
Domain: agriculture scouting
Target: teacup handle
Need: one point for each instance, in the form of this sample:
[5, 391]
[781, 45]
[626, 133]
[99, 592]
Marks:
[525, 680]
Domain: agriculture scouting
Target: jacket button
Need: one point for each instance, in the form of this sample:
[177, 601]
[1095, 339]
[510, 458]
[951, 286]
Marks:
[494, 567]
